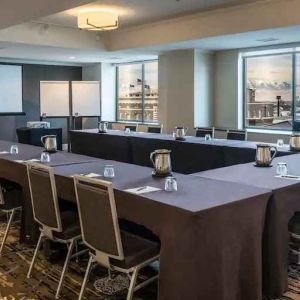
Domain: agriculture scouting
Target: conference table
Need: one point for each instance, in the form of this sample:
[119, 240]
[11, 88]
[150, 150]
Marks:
[285, 201]
[190, 156]
[207, 250]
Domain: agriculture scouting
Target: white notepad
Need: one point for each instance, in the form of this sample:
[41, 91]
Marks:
[4, 152]
[291, 177]
[142, 190]
[92, 175]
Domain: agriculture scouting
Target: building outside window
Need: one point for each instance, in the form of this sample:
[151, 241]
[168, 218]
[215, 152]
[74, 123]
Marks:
[137, 92]
[271, 90]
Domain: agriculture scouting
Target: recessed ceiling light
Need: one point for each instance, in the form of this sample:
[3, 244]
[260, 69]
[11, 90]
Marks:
[267, 40]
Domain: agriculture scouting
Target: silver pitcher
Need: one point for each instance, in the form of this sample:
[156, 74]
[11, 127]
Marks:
[295, 142]
[49, 142]
[161, 161]
[180, 132]
[264, 155]
[103, 127]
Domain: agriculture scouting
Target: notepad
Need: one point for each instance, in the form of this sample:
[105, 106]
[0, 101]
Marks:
[4, 152]
[92, 175]
[291, 177]
[143, 189]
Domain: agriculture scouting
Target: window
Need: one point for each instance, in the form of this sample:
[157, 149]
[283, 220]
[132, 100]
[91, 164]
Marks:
[137, 92]
[269, 91]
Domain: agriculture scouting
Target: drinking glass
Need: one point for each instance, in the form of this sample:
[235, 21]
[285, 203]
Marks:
[174, 134]
[281, 169]
[280, 143]
[127, 130]
[109, 171]
[207, 137]
[45, 157]
[14, 149]
[170, 184]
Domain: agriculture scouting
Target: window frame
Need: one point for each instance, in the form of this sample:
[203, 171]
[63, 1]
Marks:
[293, 54]
[143, 63]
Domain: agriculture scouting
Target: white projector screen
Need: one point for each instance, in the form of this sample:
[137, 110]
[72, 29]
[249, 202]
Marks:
[10, 89]
[54, 98]
[86, 98]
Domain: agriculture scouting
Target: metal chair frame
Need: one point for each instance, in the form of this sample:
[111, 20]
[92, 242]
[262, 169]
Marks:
[10, 213]
[46, 231]
[101, 257]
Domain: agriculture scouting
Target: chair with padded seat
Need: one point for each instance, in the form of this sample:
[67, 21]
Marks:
[294, 229]
[239, 135]
[57, 225]
[203, 131]
[10, 203]
[110, 247]
[155, 128]
[131, 127]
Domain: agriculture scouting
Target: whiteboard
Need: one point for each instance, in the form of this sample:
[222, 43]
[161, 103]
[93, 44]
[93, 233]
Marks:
[54, 98]
[11, 89]
[86, 98]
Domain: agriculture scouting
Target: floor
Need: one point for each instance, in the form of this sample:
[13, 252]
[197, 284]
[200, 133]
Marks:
[14, 284]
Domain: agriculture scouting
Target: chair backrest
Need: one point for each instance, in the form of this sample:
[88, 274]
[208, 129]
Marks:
[44, 196]
[155, 129]
[2, 200]
[131, 127]
[202, 131]
[98, 216]
[240, 135]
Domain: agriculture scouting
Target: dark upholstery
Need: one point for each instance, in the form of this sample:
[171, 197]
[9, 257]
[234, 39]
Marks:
[294, 224]
[42, 198]
[136, 250]
[131, 127]
[236, 135]
[70, 225]
[12, 194]
[97, 222]
[154, 129]
[201, 132]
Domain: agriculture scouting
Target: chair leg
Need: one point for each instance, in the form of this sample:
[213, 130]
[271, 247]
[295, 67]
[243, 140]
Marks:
[70, 250]
[86, 277]
[35, 254]
[7, 230]
[132, 284]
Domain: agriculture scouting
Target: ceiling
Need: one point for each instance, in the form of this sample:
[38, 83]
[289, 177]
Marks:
[15, 12]
[136, 12]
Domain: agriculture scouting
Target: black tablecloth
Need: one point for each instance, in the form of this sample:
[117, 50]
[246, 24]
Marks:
[285, 201]
[189, 156]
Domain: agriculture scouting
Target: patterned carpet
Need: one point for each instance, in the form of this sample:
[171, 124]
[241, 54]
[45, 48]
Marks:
[42, 286]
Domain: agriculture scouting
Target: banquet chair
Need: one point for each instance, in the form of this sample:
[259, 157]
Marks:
[10, 203]
[57, 225]
[294, 229]
[110, 247]
[202, 131]
[240, 135]
[155, 128]
[131, 127]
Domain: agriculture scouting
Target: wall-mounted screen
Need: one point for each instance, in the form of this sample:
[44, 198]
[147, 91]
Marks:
[10, 89]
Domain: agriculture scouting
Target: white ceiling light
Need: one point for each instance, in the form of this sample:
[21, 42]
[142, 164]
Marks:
[98, 20]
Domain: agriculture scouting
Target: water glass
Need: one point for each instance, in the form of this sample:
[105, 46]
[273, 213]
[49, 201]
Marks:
[170, 184]
[45, 157]
[109, 171]
[280, 143]
[127, 130]
[207, 137]
[174, 134]
[281, 169]
[14, 149]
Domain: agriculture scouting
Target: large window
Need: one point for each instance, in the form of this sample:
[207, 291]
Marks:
[137, 92]
[271, 90]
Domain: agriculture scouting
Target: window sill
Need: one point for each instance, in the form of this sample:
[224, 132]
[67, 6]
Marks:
[268, 131]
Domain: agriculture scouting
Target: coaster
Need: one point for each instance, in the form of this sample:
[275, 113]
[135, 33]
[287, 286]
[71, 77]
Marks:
[112, 286]
[262, 166]
[154, 174]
